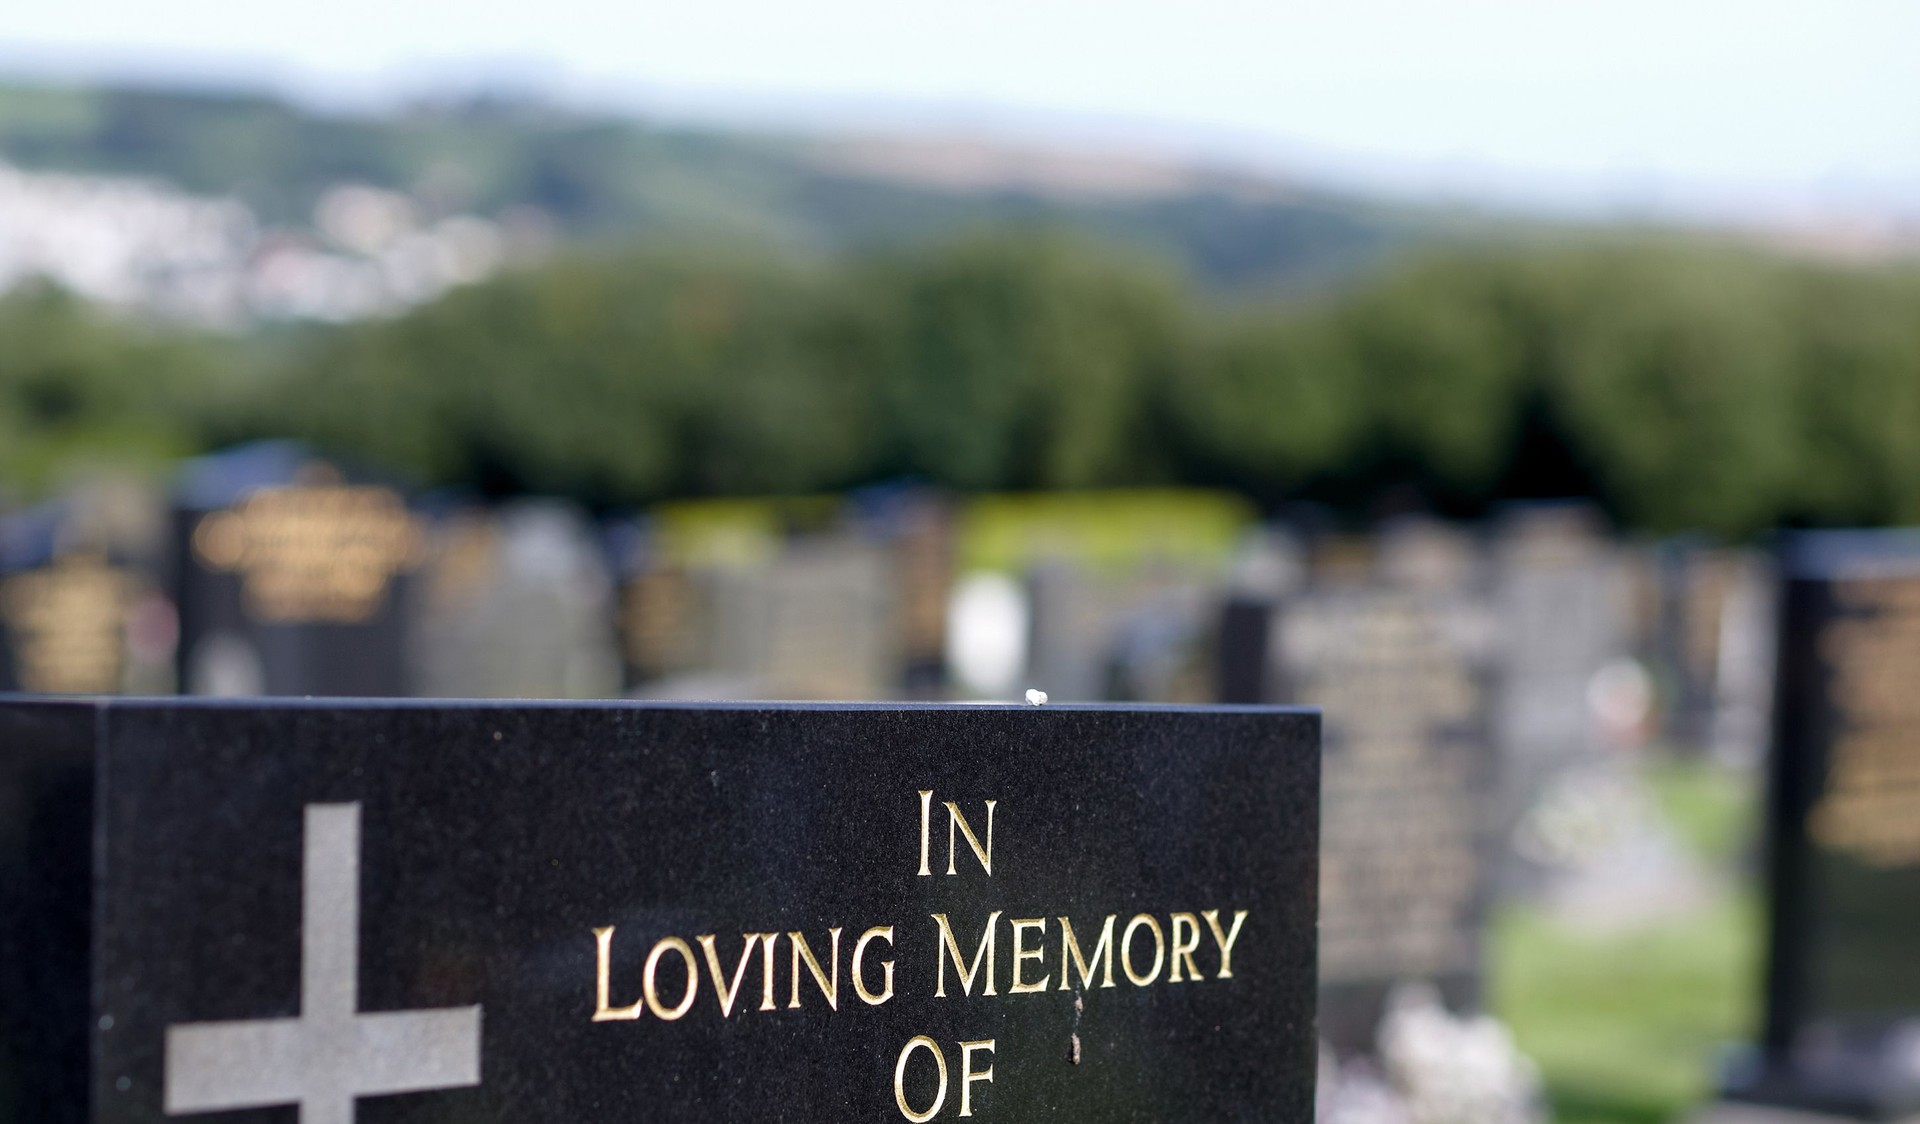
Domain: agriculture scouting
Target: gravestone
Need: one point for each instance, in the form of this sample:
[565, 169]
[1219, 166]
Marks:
[1117, 585]
[773, 599]
[1563, 602]
[1268, 566]
[515, 603]
[1137, 635]
[1716, 646]
[665, 607]
[819, 623]
[83, 601]
[1395, 643]
[1842, 1030]
[1403, 671]
[293, 580]
[1743, 676]
[914, 526]
[409, 912]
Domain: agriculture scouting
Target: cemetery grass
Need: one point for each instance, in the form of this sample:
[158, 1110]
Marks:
[1627, 1026]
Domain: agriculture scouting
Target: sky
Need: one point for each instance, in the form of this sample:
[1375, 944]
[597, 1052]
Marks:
[1651, 105]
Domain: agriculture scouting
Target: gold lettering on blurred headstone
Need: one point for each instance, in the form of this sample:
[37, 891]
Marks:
[322, 552]
[1873, 766]
[67, 622]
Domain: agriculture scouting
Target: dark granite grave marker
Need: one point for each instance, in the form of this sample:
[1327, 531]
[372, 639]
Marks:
[292, 579]
[398, 912]
[1843, 981]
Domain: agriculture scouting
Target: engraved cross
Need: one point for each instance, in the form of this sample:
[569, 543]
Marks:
[330, 1054]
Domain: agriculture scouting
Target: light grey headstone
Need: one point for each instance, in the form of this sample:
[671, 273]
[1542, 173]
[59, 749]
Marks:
[518, 604]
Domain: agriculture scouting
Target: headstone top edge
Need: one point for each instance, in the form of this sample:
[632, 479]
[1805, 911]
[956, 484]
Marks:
[284, 702]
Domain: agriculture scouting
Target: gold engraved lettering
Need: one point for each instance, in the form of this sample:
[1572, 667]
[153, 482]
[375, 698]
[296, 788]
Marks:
[1864, 810]
[956, 820]
[1021, 952]
[603, 1011]
[878, 932]
[653, 965]
[900, 1079]
[766, 969]
[724, 992]
[69, 624]
[926, 815]
[320, 552]
[1183, 949]
[1225, 940]
[830, 989]
[960, 968]
[967, 1074]
[1070, 958]
[1159, 949]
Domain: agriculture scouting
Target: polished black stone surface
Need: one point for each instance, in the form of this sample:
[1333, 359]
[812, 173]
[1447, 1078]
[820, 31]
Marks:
[1843, 827]
[495, 840]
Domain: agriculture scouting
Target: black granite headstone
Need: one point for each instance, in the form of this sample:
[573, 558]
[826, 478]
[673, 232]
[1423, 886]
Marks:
[1842, 1029]
[293, 578]
[411, 912]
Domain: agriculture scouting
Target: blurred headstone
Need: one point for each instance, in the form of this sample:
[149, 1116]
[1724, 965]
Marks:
[916, 528]
[1402, 667]
[1118, 585]
[83, 602]
[515, 603]
[1712, 647]
[1743, 666]
[293, 578]
[819, 624]
[1563, 602]
[1268, 566]
[1842, 1031]
[664, 606]
[768, 599]
[1071, 628]
[1118, 635]
[1392, 636]
[987, 631]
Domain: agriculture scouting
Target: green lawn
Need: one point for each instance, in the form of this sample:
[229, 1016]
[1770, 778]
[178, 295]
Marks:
[1626, 1027]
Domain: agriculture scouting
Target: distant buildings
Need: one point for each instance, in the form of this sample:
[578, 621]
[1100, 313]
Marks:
[142, 244]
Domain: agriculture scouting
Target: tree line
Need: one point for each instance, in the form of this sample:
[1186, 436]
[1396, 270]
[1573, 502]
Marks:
[1684, 384]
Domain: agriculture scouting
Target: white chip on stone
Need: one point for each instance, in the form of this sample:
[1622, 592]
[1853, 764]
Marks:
[1036, 696]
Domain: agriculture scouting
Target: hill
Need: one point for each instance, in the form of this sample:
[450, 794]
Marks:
[599, 177]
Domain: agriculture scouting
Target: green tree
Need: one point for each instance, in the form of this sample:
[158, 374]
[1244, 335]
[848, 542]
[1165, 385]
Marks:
[1024, 361]
[79, 383]
[612, 380]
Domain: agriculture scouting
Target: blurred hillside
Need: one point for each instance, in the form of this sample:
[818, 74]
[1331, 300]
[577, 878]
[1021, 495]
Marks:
[714, 314]
[1683, 384]
[595, 176]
